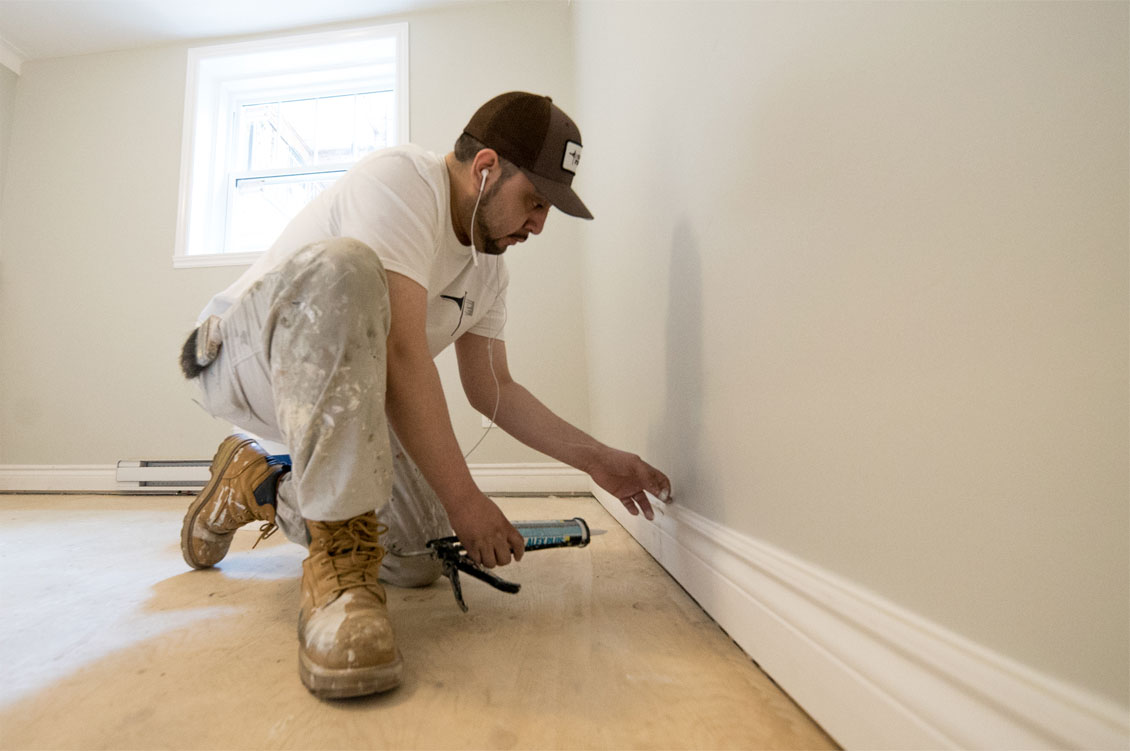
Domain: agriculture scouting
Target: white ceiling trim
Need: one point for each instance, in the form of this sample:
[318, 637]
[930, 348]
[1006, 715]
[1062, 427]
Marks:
[11, 57]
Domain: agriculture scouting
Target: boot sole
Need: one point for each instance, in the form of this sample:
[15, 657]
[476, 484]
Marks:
[220, 463]
[343, 683]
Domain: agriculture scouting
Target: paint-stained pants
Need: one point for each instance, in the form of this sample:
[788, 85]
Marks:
[303, 364]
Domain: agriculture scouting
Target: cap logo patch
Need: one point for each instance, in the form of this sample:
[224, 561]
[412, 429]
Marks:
[572, 156]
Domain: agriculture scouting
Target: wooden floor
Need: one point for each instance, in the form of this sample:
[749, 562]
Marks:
[109, 641]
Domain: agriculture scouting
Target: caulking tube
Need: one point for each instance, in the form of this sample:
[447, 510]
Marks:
[559, 533]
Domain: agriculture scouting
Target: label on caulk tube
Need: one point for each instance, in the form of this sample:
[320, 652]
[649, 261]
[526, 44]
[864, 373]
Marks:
[562, 533]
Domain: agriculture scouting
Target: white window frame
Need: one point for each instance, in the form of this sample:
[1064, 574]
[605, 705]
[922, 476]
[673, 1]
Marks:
[215, 87]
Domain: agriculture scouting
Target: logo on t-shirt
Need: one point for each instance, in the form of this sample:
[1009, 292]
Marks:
[466, 308]
[465, 305]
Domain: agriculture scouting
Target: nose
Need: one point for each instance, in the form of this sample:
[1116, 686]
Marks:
[536, 223]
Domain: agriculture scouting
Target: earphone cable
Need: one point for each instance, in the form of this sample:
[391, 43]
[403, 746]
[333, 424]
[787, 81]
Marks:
[490, 358]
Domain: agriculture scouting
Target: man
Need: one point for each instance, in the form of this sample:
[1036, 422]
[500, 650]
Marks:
[326, 344]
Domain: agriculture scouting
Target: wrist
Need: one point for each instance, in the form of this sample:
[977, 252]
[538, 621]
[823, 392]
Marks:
[461, 502]
[591, 458]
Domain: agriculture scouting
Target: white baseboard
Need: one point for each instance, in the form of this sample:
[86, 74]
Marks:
[872, 674]
[533, 478]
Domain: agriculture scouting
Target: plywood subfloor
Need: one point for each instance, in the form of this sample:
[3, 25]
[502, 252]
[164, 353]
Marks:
[109, 641]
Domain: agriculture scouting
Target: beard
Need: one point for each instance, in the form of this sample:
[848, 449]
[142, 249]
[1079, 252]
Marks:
[482, 229]
[490, 244]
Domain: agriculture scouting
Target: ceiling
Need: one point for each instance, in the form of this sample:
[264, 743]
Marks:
[37, 29]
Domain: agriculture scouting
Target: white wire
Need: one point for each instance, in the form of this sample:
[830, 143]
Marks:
[474, 248]
[490, 357]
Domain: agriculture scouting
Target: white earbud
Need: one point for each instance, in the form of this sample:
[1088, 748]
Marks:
[483, 184]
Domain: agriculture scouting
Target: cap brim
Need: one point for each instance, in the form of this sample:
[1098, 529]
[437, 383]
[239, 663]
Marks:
[561, 196]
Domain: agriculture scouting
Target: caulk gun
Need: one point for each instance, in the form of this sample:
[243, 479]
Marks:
[539, 535]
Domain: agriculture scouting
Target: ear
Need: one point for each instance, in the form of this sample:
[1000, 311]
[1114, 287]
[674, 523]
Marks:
[486, 159]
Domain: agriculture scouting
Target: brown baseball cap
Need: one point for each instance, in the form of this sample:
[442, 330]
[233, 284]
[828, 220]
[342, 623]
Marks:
[533, 133]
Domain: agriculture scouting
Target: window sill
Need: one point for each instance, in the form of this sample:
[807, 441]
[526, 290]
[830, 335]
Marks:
[215, 259]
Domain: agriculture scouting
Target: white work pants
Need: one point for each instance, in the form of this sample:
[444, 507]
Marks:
[303, 363]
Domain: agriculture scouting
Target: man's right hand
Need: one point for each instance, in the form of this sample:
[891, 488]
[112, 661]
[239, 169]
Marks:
[487, 535]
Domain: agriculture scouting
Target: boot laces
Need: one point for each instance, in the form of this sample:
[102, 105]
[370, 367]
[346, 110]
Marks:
[266, 531]
[356, 554]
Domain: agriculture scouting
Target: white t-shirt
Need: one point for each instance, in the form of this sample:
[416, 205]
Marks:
[397, 202]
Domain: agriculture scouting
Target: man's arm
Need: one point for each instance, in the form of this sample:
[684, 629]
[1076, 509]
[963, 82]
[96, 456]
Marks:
[418, 412]
[523, 416]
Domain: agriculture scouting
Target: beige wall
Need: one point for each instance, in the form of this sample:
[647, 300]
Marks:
[859, 281]
[8, 81]
[91, 310]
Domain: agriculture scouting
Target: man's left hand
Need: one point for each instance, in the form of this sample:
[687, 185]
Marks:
[627, 476]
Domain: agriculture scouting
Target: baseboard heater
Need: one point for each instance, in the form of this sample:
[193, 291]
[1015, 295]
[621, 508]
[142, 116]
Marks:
[191, 474]
[171, 476]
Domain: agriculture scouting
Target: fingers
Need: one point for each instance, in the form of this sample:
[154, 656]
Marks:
[645, 506]
[484, 556]
[517, 543]
[659, 486]
[489, 555]
[638, 502]
[656, 483]
[500, 550]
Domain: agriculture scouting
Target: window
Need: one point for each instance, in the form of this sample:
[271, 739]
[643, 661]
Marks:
[270, 124]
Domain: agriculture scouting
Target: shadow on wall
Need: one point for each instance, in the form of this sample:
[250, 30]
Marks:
[677, 439]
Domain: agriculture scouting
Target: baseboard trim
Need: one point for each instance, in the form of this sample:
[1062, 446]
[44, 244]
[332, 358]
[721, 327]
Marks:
[533, 478]
[872, 674]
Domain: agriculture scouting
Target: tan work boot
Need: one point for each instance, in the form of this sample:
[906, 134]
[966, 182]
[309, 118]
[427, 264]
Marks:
[345, 641]
[241, 490]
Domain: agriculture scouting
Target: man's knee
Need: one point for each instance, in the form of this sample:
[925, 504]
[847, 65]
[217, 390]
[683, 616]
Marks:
[340, 279]
[352, 264]
[409, 571]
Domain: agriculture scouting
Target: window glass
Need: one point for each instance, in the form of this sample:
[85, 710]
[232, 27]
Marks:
[271, 124]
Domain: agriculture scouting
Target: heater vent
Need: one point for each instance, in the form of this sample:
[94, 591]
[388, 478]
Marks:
[191, 474]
